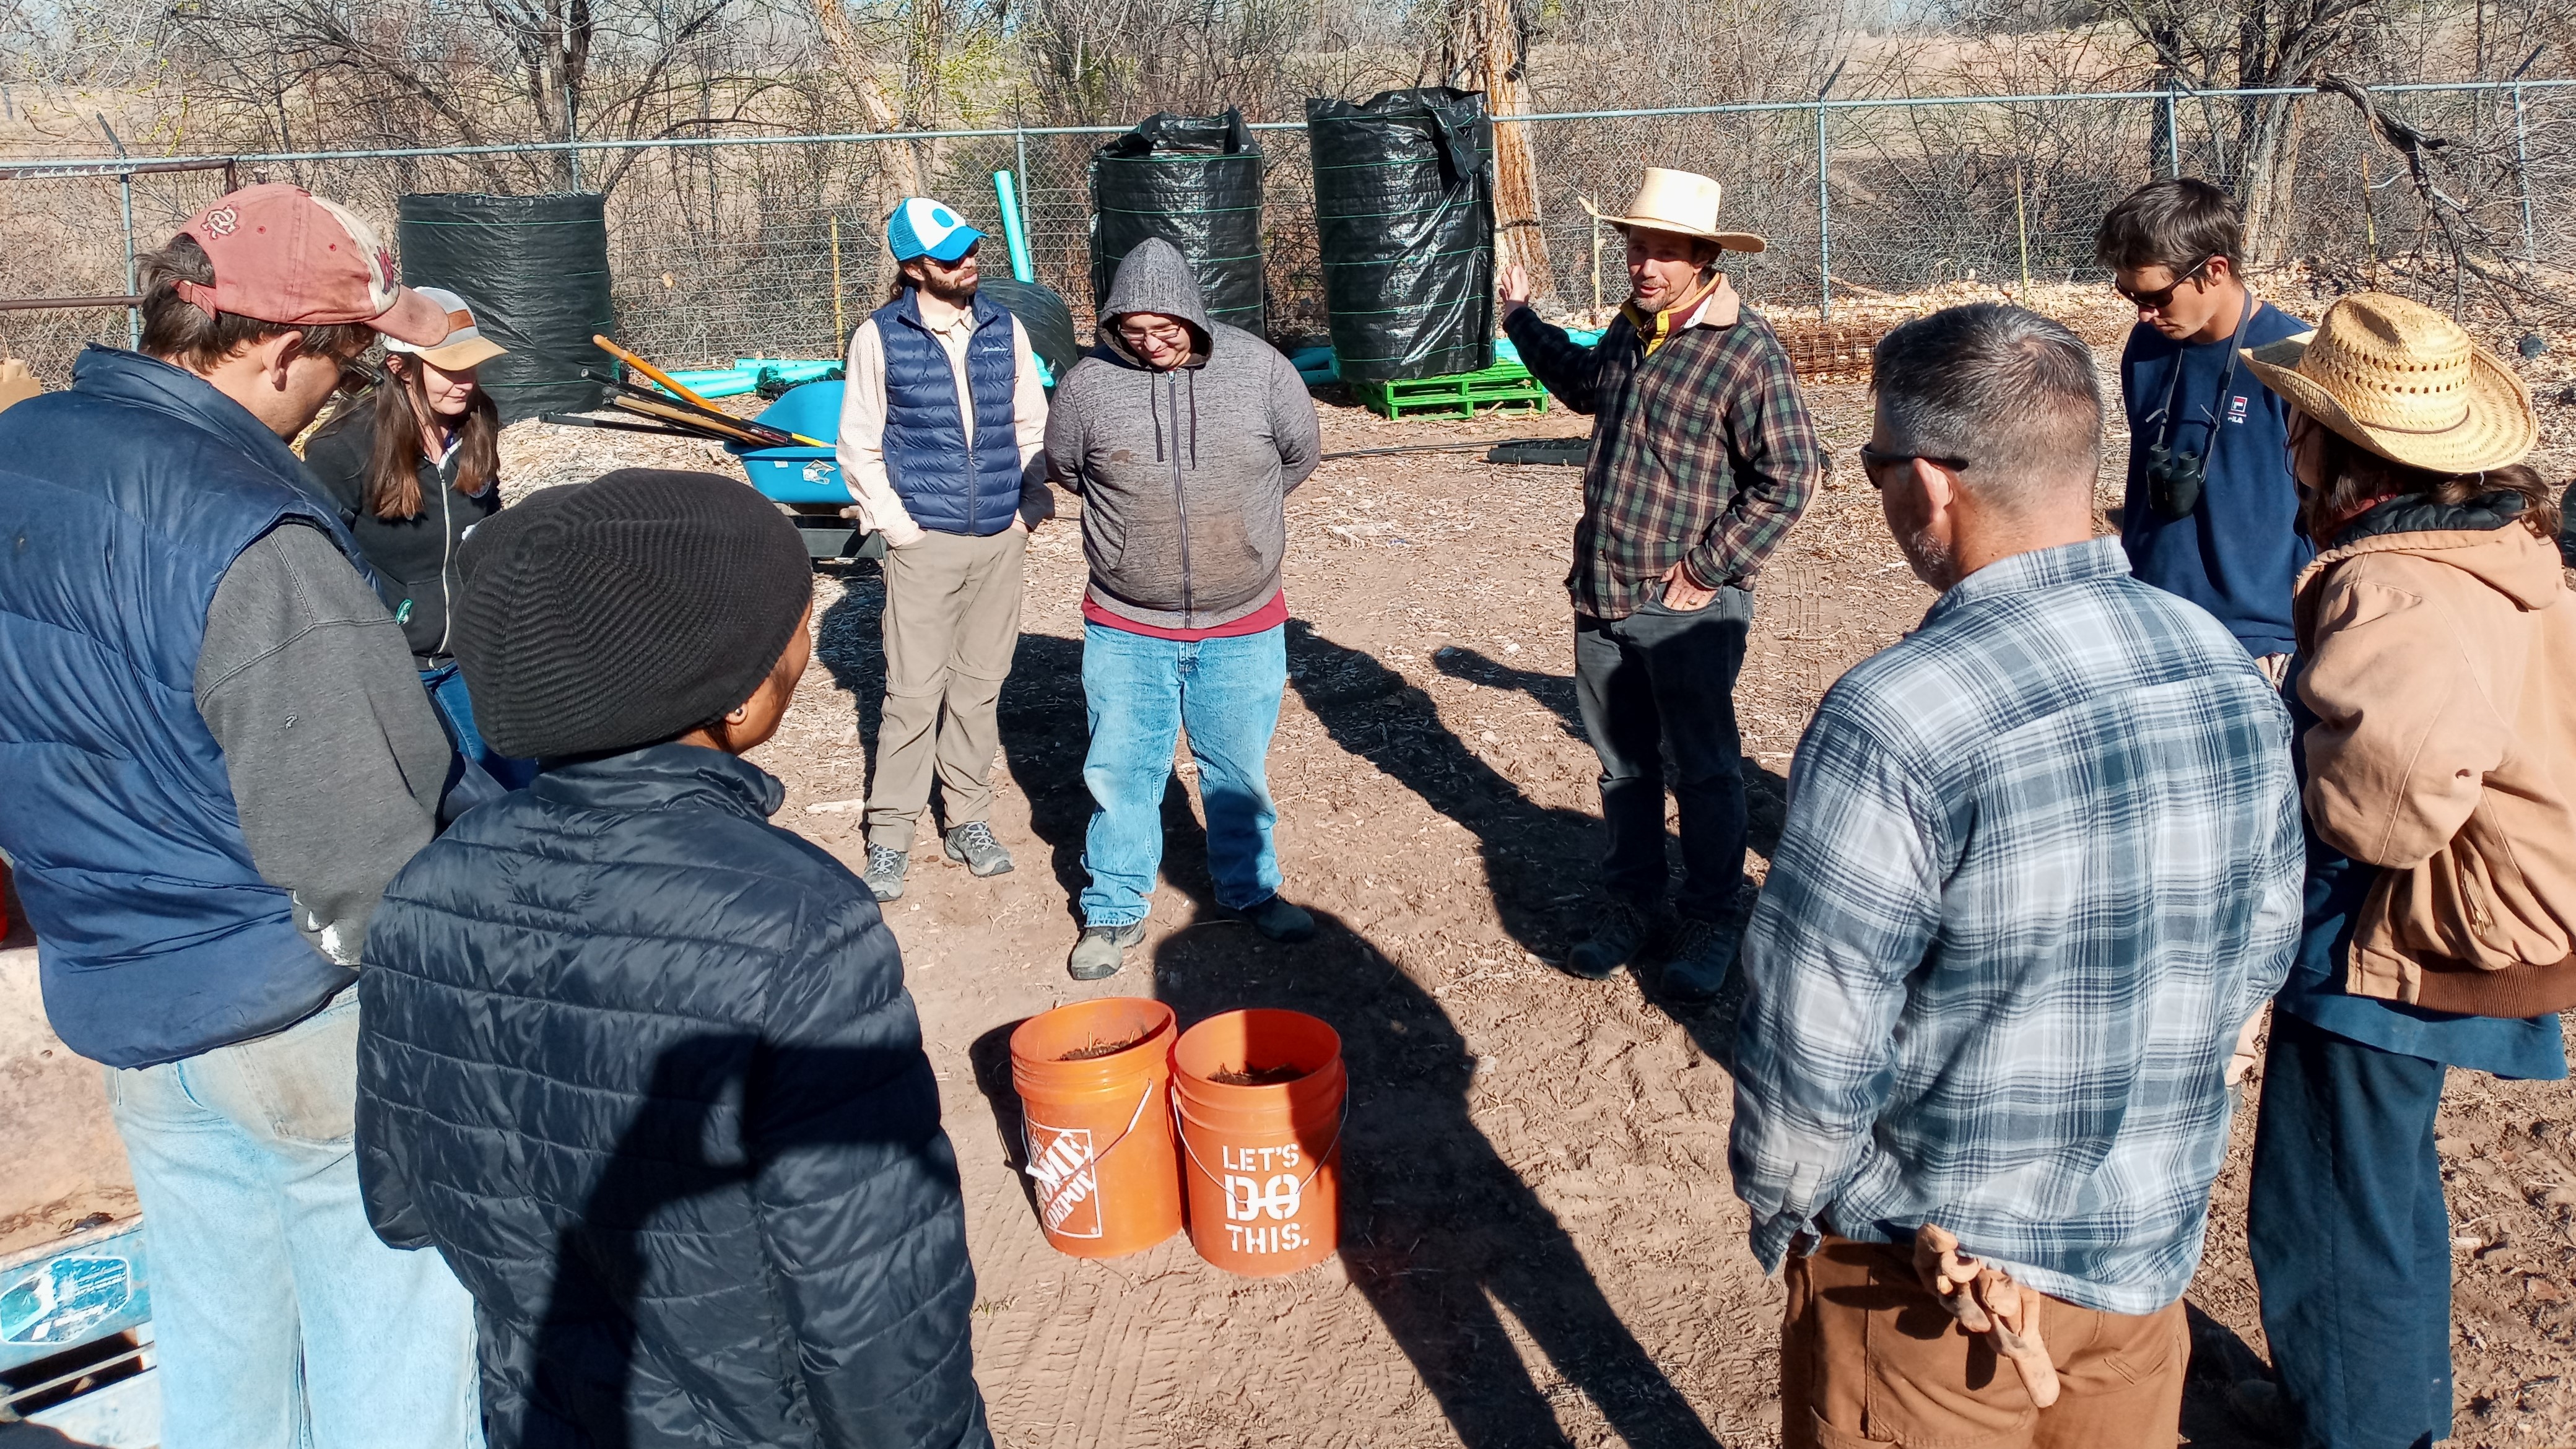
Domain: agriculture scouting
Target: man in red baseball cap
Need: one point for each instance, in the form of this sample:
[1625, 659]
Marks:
[218, 753]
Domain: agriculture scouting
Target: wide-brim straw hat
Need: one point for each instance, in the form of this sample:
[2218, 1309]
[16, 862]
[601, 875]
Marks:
[1685, 204]
[2405, 382]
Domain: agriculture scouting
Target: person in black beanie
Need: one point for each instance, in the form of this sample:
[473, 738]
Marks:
[640, 1064]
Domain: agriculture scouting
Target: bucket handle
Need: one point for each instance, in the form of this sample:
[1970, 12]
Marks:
[1182, 1132]
[1028, 1150]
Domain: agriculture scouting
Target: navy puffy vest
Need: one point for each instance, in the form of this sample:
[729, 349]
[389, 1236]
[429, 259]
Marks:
[127, 499]
[945, 484]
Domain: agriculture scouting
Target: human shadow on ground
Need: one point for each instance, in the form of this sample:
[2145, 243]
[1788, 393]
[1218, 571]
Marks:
[1541, 862]
[722, 1111]
[1437, 1230]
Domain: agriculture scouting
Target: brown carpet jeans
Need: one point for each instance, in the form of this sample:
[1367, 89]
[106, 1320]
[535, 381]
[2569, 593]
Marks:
[952, 623]
[1868, 1357]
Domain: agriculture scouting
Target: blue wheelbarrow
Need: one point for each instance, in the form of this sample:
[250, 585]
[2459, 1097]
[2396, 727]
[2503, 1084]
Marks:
[805, 482]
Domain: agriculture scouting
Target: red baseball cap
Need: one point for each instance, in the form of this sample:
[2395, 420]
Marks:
[286, 256]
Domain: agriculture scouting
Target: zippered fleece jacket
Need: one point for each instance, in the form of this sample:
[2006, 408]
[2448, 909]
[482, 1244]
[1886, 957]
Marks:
[1182, 474]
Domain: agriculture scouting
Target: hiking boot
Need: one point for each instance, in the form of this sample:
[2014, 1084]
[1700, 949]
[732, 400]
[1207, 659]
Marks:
[885, 871]
[1699, 963]
[973, 845]
[1102, 950]
[2260, 1405]
[1617, 936]
[1281, 921]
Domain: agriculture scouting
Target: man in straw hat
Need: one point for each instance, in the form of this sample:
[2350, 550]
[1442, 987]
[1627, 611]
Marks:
[217, 754]
[1702, 457]
[2434, 693]
[2040, 865]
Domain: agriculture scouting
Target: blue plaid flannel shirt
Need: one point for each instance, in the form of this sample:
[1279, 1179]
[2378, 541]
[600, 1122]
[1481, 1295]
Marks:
[2042, 860]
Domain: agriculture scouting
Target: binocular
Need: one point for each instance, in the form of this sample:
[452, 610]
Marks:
[2174, 481]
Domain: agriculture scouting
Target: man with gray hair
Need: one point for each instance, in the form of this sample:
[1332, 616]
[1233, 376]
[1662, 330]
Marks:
[2042, 861]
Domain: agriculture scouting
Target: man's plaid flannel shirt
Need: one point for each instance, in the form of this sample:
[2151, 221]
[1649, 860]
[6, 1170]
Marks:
[1703, 454]
[2042, 860]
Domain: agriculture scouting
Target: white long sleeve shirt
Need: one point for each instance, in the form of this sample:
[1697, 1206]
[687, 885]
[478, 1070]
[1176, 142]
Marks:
[860, 448]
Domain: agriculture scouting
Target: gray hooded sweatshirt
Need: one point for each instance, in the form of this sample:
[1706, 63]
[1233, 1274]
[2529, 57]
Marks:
[1182, 473]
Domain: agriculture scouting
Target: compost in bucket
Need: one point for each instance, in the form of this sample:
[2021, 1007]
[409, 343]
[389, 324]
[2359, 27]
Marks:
[1094, 1080]
[1261, 1096]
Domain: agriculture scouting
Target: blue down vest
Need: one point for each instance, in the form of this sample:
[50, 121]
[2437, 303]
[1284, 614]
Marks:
[129, 497]
[945, 483]
[643, 1068]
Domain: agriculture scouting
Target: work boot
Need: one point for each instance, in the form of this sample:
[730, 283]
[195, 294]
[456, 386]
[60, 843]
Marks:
[1699, 962]
[1616, 938]
[1280, 921]
[973, 844]
[1102, 950]
[885, 871]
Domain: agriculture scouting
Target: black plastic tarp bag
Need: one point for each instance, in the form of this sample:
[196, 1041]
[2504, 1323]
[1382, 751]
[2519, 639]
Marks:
[535, 269]
[1043, 312]
[1194, 181]
[1404, 222]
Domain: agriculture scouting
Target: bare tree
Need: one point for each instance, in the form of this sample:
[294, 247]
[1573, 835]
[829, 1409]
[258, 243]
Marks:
[1484, 45]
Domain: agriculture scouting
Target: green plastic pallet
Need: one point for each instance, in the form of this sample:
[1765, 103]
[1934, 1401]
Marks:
[1503, 385]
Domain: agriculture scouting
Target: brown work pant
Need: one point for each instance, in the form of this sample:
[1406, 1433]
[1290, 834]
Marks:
[1869, 1357]
[952, 621]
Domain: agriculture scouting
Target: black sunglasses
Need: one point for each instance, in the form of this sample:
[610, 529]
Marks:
[1871, 460]
[2162, 297]
[357, 375]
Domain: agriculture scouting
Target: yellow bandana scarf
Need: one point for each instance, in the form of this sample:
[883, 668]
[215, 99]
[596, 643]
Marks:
[1656, 328]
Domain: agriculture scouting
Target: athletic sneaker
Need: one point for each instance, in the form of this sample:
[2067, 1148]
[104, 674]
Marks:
[1102, 950]
[1281, 921]
[885, 871]
[973, 844]
[1616, 938]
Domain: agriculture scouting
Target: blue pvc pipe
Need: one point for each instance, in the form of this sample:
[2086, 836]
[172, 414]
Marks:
[1006, 190]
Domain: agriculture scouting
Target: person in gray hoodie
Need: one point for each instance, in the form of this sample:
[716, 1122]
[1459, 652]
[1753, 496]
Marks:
[1182, 437]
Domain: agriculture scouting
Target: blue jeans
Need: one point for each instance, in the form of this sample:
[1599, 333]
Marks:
[2351, 1239]
[1141, 692]
[446, 686]
[281, 1320]
[1657, 694]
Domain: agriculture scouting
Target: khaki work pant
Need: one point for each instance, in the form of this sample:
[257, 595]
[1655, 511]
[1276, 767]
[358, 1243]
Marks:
[952, 621]
[1869, 1357]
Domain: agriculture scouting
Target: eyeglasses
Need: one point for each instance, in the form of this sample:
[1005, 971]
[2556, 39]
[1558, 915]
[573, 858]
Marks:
[1871, 460]
[962, 257]
[357, 375]
[1170, 334]
[2162, 297]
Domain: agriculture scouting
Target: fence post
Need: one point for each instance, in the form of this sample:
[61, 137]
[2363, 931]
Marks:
[1824, 220]
[2173, 135]
[133, 279]
[2522, 170]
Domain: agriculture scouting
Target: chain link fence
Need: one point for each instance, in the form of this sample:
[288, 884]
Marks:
[771, 246]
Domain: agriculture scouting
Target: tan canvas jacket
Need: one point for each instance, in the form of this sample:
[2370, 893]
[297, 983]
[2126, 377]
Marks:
[2441, 663]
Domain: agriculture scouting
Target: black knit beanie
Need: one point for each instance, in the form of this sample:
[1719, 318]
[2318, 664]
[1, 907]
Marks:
[618, 613]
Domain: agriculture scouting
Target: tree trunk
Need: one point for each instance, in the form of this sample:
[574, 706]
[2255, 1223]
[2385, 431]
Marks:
[1489, 47]
[897, 175]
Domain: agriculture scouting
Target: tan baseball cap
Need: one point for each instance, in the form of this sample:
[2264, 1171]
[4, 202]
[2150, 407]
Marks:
[465, 345]
[283, 255]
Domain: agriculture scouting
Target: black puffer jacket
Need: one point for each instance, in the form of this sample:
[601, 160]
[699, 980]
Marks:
[643, 1067]
[414, 558]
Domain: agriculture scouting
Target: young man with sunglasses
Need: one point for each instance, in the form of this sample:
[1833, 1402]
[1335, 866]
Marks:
[217, 754]
[2210, 512]
[943, 419]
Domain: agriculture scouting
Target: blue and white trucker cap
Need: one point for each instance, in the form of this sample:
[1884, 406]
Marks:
[921, 227]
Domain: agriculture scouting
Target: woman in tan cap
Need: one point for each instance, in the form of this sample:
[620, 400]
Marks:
[2434, 694]
[411, 469]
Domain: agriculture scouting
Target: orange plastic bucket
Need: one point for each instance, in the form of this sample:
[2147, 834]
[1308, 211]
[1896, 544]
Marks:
[1094, 1080]
[1264, 1155]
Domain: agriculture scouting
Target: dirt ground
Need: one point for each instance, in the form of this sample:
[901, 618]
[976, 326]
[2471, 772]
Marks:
[1540, 1245]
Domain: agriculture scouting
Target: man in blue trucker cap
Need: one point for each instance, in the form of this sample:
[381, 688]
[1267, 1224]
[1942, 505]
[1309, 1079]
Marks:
[943, 421]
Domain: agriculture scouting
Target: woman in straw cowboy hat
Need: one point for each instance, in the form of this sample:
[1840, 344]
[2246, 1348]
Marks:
[2435, 696]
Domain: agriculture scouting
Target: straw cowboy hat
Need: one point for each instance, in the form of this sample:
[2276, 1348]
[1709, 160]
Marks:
[1685, 204]
[2405, 382]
